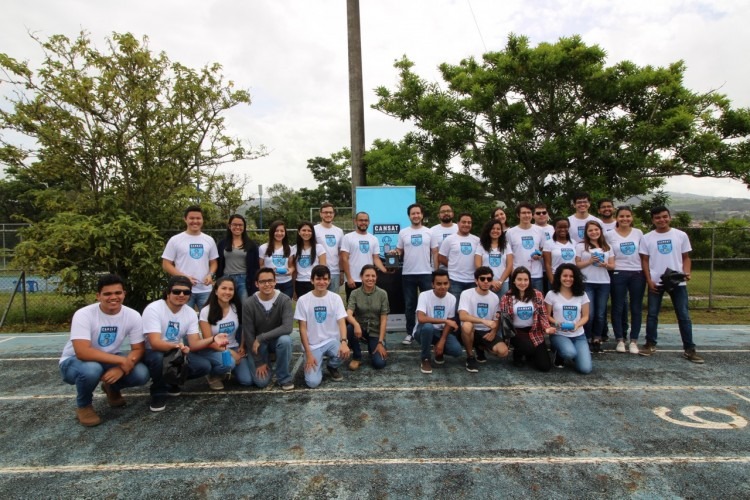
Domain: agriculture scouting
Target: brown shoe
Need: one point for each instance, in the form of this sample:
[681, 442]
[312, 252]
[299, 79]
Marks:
[114, 397]
[354, 364]
[215, 383]
[87, 416]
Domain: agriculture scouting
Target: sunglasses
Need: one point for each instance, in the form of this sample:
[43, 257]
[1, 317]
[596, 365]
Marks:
[181, 292]
[485, 278]
[541, 213]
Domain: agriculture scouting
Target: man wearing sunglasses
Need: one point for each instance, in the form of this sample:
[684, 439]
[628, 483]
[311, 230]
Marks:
[166, 324]
[478, 312]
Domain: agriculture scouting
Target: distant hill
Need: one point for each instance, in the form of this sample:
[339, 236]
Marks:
[707, 208]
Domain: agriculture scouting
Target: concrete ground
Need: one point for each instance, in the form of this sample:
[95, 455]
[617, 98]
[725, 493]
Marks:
[658, 427]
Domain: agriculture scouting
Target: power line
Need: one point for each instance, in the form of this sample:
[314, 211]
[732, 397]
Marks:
[476, 24]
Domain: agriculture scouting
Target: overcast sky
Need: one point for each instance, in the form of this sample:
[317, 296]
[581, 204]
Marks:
[292, 55]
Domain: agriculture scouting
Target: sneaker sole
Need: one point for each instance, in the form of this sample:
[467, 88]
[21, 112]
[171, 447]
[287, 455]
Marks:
[156, 410]
[697, 362]
[472, 370]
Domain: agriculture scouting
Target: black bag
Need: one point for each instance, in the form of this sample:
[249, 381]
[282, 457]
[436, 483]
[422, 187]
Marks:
[506, 323]
[175, 367]
[671, 279]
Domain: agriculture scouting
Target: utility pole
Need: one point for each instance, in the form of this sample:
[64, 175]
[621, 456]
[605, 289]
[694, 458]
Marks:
[356, 99]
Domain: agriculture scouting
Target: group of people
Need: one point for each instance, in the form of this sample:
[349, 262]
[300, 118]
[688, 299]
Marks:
[229, 307]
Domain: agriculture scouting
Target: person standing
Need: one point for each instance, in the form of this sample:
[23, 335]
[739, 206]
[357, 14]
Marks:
[499, 214]
[92, 353]
[494, 252]
[238, 257]
[606, 210]
[559, 250]
[307, 253]
[457, 253]
[661, 249]
[358, 249]
[277, 254]
[581, 204]
[541, 220]
[439, 232]
[330, 237]
[416, 274]
[192, 254]
[526, 241]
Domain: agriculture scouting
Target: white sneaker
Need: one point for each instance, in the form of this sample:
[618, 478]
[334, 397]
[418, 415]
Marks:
[620, 346]
[407, 340]
[633, 348]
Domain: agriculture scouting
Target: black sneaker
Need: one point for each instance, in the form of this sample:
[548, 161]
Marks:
[471, 365]
[439, 360]
[173, 390]
[158, 403]
[596, 346]
[335, 374]
[481, 356]
[559, 362]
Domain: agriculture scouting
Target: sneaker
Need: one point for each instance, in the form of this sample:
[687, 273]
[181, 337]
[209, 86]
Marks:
[481, 356]
[439, 360]
[335, 374]
[215, 383]
[691, 355]
[633, 348]
[620, 346]
[648, 349]
[596, 347]
[158, 403]
[426, 367]
[407, 340]
[114, 397]
[559, 362]
[471, 365]
[354, 364]
[87, 416]
[288, 386]
[173, 390]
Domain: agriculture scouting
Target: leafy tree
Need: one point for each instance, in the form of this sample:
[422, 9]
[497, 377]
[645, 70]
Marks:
[334, 176]
[124, 132]
[539, 123]
[283, 203]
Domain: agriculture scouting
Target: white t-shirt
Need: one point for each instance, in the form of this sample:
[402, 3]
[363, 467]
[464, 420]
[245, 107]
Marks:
[303, 264]
[566, 310]
[268, 304]
[548, 230]
[361, 248]
[608, 227]
[434, 307]
[173, 327]
[592, 273]
[276, 260]
[577, 227]
[191, 255]
[665, 251]
[495, 259]
[523, 314]
[330, 238]
[228, 324]
[105, 331]
[322, 315]
[524, 242]
[460, 251]
[438, 233]
[481, 306]
[416, 244]
[560, 253]
[625, 249]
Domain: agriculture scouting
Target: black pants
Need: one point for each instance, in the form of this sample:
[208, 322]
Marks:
[538, 356]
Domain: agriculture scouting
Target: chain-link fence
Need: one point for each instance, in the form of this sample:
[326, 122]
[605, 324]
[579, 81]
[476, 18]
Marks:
[720, 277]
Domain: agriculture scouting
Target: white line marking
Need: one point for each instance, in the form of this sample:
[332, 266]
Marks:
[649, 460]
[33, 336]
[696, 422]
[5, 340]
[737, 395]
[30, 359]
[348, 390]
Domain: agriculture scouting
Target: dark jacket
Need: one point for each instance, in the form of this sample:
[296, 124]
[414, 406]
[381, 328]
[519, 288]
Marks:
[251, 264]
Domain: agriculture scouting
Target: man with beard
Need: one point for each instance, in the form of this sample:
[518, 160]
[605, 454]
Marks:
[357, 249]
[439, 232]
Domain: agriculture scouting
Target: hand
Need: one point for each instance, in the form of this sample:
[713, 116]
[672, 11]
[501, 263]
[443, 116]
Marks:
[358, 332]
[236, 356]
[495, 285]
[126, 365]
[687, 276]
[491, 324]
[452, 324]
[193, 280]
[351, 284]
[241, 351]
[208, 280]
[310, 362]
[489, 336]
[221, 339]
[112, 375]
[256, 346]
[551, 330]
[185, 349]
[344, 350]
[653, 287]
[380, 349]
[439, 347]
[262, 371]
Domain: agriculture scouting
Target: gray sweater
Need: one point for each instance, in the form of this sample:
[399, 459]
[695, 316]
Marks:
[265, 325]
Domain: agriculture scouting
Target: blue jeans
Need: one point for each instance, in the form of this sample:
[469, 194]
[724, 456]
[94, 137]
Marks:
[334, 285]
[86, 375]
[428, 335]
[154, 360]
[240, 285]
[456, 288]
[537, 283]
[679, 298]
[575, 348]
[372, 342]
[314, 377]
[598, 294]
[413, 284]
[198, 300]
[282, 346]
[214, 358]
[624, 284]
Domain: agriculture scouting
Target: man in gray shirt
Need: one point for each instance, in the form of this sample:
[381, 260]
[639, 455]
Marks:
[267, 319]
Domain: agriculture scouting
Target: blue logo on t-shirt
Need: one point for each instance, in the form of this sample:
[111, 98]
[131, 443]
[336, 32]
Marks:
[331, 240]
[438, 312]
[196, 250]
[364, 246]
[567, 253]
[527, 242]
[107, 335]
[227, 327]
[278, 260]
[524, 312]
[304, 261]
[416, 240]
[570, 313]
[321, 312]
[173, 331]
[495, 259]
[482, 310]
[664, 246]
[466, 248]
[627, 248]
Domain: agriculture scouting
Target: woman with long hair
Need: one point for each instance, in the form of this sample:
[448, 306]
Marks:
[307, 253]
[499, 214]
[238, 257]
[277, 254]
[568, 310]
[560, 249]
[525, 305]
[222, 316]
[594, 258]
[494, 252]
[628, 280]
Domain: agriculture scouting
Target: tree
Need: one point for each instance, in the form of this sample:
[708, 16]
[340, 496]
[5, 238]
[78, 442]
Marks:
[123, 132]
[538, 123]
[334, 177]
[284, 203]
